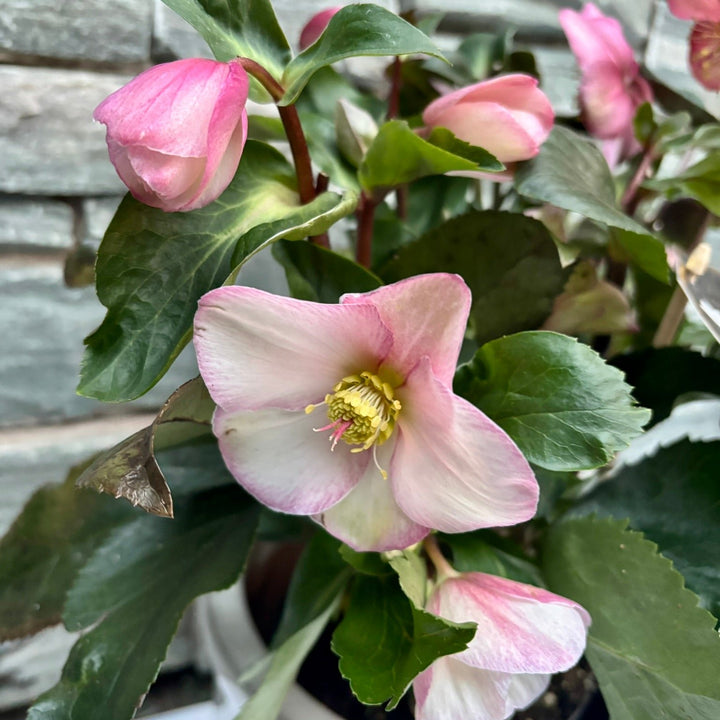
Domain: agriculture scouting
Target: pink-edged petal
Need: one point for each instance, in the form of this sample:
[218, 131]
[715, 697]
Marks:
[315, 27]
[278, 458]
[368, 519]
[453, 468]
[524, 690]
[451, 690]
[427, 315]
[521, 628]
[256, 349]
[695, 9]
[608, 109]
[169, 176]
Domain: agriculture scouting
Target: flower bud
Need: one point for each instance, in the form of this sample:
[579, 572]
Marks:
[176, 132]
[508, 116]
[316, 26]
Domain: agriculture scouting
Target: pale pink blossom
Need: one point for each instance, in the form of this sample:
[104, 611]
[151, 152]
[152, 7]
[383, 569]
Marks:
[346, 412]
[695, 9]
[316, 25]
[176, 132]
[509, 116]
[611, 87]
[524, 635]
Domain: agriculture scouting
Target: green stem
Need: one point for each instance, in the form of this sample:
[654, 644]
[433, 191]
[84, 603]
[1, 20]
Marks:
[443, 568]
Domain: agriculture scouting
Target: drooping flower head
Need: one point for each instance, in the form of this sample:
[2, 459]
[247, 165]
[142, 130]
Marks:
[509, 116]
[704, 38]
[176, 132]
[611, 87]
[524, 635]
[346, 412]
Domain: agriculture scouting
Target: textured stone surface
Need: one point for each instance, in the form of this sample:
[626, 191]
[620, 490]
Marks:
[33, 223]
[666, 56]
[97, 213]
[44, 323]
[80, 29]
[560, 78]
[49, 143]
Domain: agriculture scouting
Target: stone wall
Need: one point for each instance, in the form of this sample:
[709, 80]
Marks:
[58, 192]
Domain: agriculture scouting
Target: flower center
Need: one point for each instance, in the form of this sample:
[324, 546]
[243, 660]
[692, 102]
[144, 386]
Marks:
[362, 410]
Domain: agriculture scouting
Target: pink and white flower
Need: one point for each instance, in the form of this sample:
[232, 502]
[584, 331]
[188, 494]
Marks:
[524, 635]
[611, 87]
[176, 132]
[373, 375]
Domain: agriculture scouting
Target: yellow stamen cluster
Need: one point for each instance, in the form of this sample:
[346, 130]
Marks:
[370, 406]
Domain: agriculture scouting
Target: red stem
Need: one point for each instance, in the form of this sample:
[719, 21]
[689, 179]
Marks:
[366, 217]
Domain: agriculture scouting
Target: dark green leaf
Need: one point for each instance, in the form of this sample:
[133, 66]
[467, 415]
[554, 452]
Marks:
[46, 546]
[556, 398]
[384, 641]
[654, 652]
[644, 251]
[320, 576]
[513, 283]
[571, 173]
[136, 586]
[314, 273]
[238, 28]
[484, 551]
[398, 156]
[368, 563]
[153, 267]
[661, 375]
[674, 498]
[701, 181]
[314, 218]
[130, 469]
[355, 30]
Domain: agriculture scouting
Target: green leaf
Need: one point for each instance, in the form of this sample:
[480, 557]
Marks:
[384, 641]
[701, 181]
[654, 652]
[355, 30]
[513, 283]
[411, 570]
[285, 662]
[238, 28]
[571, 173]
[644, 251]
[556, 398]
[367, 563]
[43, 551]
[661, 375]
[314, 273]
[484, 551]
[130, 469]
[314, 218]
[674, 498]
[136, 586]
[154, 266]
[320, 576]
[398, 156]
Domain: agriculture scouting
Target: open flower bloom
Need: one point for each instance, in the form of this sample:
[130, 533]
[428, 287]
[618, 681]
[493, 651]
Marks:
[611, 88]
[695, 9]
[705, 54]
[524, 635]
[316, 25]
[508, 116]
[176, 132]
[346, 412]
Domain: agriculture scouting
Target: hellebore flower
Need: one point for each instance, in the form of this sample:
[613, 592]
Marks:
[524, 635]
[695, 9]
[316, 25]
[509, 116]
[346, 412]
[704, 38]
[176, 132]
[611, 87]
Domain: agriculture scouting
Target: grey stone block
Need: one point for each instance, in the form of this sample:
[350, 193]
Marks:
[78, 30]
[49, 143]
[173, 37]
[98, 212]
[43, 324]
[34, 223]
[560, 78]
[666, 56]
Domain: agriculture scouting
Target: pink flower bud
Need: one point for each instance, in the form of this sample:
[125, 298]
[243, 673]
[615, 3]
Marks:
[695, 9]
[611, 88]
[316, 26]
[508, 116]
[705, 54]
[176, 132]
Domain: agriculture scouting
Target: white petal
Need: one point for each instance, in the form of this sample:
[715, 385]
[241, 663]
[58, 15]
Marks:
[368, 518]
[275, 455]
[453, 468]
[258, 350]
[451, 690]
[525, 690]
